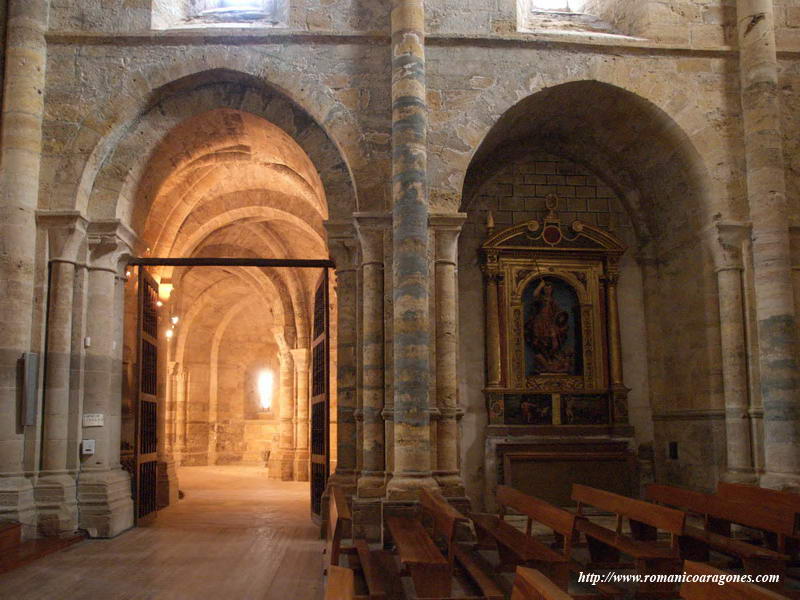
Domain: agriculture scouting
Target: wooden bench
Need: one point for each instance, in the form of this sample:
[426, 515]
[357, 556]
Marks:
[783, 502]
[429, 569]
[367, 561]
[645, 520]
[445, 519]
[517, 548]
[718, 514]
[710, 590]
[341, 584]
[530, 584]
[339, 518]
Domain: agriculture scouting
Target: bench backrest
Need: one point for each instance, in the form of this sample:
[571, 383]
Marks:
[341, 584]
[754, 516]
[559, 520]
[338, 516]
[711, 590]
[444, 516]
[688, 500]
[530, 584]
[758, 496]
[659, 517]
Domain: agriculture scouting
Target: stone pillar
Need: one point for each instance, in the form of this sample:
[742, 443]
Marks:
[104, 488]
[618, 390]
[23, 110]
[180, 387]
[343, 251]
[167, 484]
[446, 229]
[412, 443]
[729, 266]
[55, 491]
[493, 360]
[281, 462]
[766, 188]
[302, 456]
[372, 479]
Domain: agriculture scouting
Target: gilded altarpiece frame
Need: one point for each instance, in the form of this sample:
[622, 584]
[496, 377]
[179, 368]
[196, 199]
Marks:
[552, 331]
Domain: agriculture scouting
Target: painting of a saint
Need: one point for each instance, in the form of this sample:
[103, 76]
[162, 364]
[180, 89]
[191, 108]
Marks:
[552, 328]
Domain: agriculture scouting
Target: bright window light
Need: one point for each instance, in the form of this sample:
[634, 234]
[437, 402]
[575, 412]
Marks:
[241, 5]
[559, 5]
[265, 384]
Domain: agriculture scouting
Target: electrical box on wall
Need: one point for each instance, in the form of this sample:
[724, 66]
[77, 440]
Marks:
[87, 447]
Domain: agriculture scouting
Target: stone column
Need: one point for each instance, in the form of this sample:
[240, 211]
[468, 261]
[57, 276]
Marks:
[302, 455]
[728, 263]
[181, 386]
[412, 451]
[493, 355]
[766, 188]
[23, 110]
[446, 229]
[372, 480]
[618, 390]
[343, 251]
[281, 463]
[104, 488]
[55, 490]
[167, 484]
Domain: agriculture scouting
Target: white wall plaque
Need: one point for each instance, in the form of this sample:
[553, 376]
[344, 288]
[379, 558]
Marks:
[93, 420]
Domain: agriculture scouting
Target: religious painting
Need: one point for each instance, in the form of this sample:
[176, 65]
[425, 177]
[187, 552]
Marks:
[528, 409]
[552, 328]
[584, 410]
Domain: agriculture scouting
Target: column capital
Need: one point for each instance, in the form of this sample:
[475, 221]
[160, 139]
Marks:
[300, 356]
[342, 244]
[726, 245]
[66, 231]
[109, 242]
[446, 229]
[371, 227]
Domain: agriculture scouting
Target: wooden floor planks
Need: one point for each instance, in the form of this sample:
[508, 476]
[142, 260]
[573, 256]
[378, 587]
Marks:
[236, 535]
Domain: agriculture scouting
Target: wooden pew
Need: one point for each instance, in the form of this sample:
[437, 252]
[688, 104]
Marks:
[775, 500]
[713, 591]
[370, 564]
[341, 584]
[645, 520]
[339, 518]
[517, 548]
[718, 515]
[429, 570]
[530, 584]
[445, 519]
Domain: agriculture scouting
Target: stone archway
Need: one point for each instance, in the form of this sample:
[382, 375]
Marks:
[618, 162]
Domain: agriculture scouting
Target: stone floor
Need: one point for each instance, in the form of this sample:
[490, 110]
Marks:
[236, 536]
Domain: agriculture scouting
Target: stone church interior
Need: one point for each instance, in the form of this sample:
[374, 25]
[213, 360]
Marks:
[400, 299]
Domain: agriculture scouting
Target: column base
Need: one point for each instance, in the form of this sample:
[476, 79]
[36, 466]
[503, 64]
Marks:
[57, 504]
[281, 466]
[451, 484]
[406, 487]
[301, 466]
[106, 506]
[17, 503]
[167, 486]
[747, 476]
[785, 482]
[371, 485]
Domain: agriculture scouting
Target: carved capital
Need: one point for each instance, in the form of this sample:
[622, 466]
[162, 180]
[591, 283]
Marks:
[371, 228]
[446, 229]
[66, 232]
[110, 242]
[726, 246]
